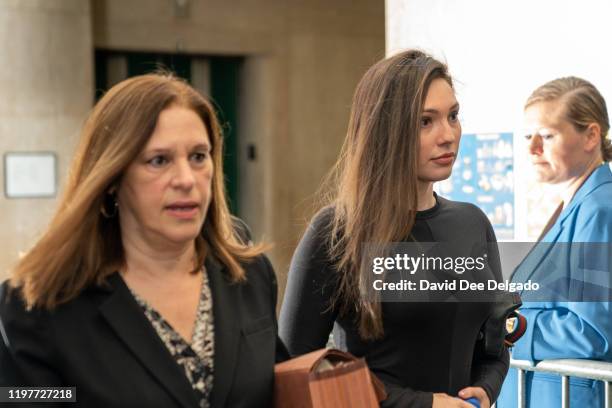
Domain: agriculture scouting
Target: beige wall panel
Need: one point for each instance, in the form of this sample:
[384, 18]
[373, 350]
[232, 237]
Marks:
[78, 7]
[46, 84]
[256, 130]
[321, 100]
[219, 27]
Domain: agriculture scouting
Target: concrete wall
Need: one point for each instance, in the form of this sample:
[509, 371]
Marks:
[47, 88]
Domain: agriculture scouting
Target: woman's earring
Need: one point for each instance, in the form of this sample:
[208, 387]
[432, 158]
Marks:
[110, 207]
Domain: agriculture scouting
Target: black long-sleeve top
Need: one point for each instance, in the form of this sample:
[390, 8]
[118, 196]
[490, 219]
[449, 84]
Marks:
[427, 347]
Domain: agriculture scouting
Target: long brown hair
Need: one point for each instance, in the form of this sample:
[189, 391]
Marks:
[582, 103]
[376, 175]
[82, 247]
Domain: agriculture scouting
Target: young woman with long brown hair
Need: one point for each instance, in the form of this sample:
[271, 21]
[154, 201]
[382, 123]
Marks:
[403, 136]
[144, 290]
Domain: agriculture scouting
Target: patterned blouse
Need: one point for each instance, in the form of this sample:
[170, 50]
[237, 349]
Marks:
[196, 359]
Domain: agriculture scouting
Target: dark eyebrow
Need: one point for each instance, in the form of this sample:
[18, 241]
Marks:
[158, 151]
[199, 146]
[434, 111]
[162, 150]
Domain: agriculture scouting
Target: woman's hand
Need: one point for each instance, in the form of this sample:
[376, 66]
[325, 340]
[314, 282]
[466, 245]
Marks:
[441, 400]
[476, 392]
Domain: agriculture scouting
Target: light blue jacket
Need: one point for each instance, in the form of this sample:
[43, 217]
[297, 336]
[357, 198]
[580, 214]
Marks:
[571, 324]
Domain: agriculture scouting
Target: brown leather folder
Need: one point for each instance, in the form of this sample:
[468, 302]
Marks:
[326, 378]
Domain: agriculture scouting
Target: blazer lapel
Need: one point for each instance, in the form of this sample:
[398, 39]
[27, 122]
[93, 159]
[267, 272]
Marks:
[132, 327]
[226, 312]
[530, 264]
[599, 176]
[526, 269]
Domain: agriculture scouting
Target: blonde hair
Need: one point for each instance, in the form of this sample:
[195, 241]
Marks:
[582, 103]
[82, 247]
[376, 175]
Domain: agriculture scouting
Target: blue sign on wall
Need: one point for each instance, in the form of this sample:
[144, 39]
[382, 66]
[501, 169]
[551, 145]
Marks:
[483, 175]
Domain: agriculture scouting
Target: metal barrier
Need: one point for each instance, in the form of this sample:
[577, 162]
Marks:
[593, 370]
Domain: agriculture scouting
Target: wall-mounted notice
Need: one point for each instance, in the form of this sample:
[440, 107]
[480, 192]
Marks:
[30, 174]
[483, 174]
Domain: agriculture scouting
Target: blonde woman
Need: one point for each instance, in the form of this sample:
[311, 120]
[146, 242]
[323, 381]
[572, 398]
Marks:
[567, 124]
[144, 291]
[403, 136]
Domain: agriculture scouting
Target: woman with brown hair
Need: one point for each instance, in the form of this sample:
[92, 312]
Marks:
[403, 136]
[144, 290]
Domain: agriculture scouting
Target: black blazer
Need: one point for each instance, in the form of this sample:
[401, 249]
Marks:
[102, 343]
